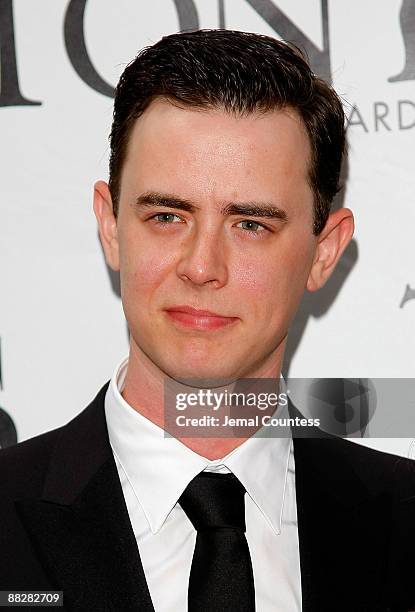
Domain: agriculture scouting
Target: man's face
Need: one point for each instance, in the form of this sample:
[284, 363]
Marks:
[250, 269]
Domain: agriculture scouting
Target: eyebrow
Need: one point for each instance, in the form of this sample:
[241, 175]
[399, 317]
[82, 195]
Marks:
[150, 199]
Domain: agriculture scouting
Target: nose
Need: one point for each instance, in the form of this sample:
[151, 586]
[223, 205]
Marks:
[203, 258]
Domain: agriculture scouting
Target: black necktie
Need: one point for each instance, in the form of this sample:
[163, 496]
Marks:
[221, 577]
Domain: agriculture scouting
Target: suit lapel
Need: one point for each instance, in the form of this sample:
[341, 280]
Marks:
[80, 527]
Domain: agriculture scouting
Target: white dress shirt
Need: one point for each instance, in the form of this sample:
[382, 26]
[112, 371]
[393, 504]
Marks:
[154, 470]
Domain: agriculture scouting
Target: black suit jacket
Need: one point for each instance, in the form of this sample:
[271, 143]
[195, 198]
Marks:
[64, 524]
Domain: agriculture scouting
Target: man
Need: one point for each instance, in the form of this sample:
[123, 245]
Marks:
[225, 158]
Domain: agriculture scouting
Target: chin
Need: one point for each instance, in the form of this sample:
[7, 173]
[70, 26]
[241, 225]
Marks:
[206, 375]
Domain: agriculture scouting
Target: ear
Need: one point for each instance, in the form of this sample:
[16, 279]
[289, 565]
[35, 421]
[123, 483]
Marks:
[107, 224]
[331, 243]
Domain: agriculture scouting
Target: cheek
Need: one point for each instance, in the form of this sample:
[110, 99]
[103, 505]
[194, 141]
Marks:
[272, 286]
[143, 268]
[257, 289]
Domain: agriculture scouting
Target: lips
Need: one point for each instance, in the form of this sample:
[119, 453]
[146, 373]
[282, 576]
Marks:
[186, 316]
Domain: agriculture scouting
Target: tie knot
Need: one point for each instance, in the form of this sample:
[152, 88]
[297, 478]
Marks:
[214, 500]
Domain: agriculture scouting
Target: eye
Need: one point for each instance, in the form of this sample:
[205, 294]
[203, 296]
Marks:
[165, 218]
[252, 226]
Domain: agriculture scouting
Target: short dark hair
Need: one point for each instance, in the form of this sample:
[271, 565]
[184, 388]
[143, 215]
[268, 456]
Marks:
[240, 72]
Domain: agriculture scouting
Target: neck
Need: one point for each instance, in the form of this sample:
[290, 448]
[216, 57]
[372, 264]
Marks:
[144, 390]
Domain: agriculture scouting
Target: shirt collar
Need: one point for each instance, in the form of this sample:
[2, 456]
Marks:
[154, 462]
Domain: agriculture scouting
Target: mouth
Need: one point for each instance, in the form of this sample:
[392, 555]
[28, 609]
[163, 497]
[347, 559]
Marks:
[186, 316]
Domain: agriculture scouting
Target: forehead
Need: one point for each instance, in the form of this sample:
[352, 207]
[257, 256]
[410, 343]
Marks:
[211, 149]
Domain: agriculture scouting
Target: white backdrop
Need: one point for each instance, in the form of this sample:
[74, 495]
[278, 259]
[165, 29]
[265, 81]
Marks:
[61, 326]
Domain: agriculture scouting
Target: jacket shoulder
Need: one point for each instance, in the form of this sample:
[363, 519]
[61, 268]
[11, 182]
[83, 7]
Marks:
[377, 456]
[393, 472]
[22, 466]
